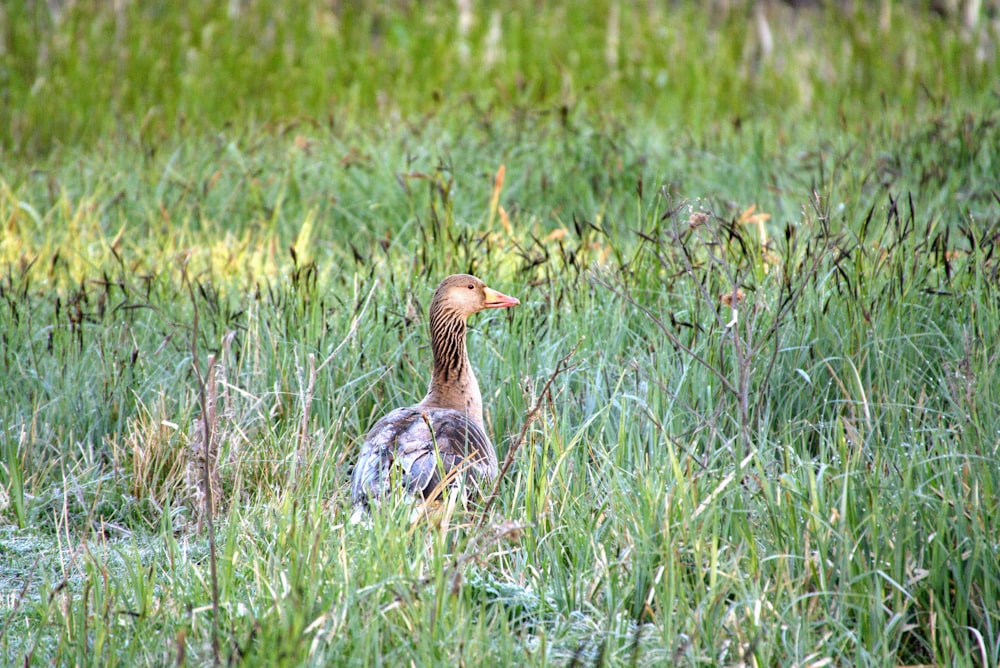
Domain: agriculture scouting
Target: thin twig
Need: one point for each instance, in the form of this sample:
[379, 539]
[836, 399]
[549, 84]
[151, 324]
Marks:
[207, 426]
[561, 366]
[352, 330]
[674, 339]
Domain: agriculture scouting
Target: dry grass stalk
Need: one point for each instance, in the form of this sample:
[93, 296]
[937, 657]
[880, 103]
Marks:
[203, 452]
[202, 461]
[150, 454]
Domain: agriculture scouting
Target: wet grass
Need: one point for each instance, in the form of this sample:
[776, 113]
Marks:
[773, 438]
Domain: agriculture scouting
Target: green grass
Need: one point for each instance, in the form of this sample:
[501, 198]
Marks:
[815, 483]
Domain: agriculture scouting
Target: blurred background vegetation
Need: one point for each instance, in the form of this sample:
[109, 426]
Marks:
[74, 71]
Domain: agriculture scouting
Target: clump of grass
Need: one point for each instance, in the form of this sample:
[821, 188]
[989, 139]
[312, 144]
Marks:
[150, 453]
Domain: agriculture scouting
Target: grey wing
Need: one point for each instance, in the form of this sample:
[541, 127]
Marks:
[378, 454]
[423, 446]
[462, 447]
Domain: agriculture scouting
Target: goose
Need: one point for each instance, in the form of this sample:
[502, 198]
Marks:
[442, 437]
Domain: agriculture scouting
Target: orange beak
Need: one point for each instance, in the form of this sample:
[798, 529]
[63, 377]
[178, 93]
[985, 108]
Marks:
[496, 299]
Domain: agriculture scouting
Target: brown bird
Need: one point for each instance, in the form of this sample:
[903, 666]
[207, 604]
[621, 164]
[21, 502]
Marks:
[443, 436]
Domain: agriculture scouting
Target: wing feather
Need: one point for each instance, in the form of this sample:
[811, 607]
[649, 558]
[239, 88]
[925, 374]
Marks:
[421, 447]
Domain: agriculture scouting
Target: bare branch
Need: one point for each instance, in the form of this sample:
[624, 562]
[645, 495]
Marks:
[674, 340]
[207, 425]
[561, 366]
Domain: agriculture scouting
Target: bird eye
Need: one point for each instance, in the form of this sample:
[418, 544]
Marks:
[471, 286]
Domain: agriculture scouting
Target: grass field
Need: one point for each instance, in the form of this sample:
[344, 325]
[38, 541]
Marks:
[751, 396]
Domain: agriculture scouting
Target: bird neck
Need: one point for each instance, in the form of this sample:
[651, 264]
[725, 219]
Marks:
[453, 383]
